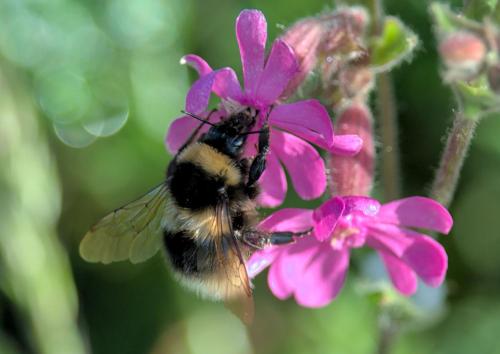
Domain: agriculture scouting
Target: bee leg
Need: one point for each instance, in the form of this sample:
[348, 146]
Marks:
[244, 165]
[259, 240]
[259, 163]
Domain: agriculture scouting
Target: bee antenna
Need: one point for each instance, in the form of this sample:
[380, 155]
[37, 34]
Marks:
[253, 132]
[205, 121]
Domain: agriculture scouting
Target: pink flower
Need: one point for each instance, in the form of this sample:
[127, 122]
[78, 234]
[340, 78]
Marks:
[264, 83]
[314, 268]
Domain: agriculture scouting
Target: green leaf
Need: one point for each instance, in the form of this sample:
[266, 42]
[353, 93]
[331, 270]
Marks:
[446, 21]
[443, 18]
[394, 44]
[477, 98]
[478, 9]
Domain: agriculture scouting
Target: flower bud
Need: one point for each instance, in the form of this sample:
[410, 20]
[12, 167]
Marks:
[357, 17]
[463, 51]
[354, 175]
[356, 81]
[304, 37]
[344, 31]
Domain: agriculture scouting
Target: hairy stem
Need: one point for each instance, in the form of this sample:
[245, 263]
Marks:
[389, 133]
[387, 118]
[452, 159]
[388, 331]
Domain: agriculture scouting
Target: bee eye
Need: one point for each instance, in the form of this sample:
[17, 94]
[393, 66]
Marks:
[238, 141]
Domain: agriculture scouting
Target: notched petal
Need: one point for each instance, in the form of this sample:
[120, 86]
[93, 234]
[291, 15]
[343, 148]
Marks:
[428, 259]
[303, 162]
[251, 33]
[197, 63]
[307, 119]
[402, 275]
[290, 219]
[280, 68]
[366, 205]
[417, 212]
[326, 217]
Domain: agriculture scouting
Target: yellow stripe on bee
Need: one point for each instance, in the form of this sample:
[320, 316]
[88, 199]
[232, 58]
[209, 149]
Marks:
[212, 161]
[201, 224]
[205, 224]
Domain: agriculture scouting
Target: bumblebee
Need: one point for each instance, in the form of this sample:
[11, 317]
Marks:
[203, 215]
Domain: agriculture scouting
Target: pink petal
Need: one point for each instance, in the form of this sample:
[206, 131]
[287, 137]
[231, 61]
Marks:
[423, 254]
[287, 269]
[305, 167]
[417, 212]
[223, 82]
[322, 277]
[294, 220]
[428, 259]
[261, 259]
[326, 217]
[281, 67]
[199, 94]
[346, 145]
[279, 280]
[197, 63]
[251, 146]
[366, 205]
[227, 86]
[390, 238]
[179, 131]
[251, 33]
[402, 276]
[307, 119]
[272, 183]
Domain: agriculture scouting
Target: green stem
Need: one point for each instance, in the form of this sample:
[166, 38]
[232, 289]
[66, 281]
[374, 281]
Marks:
[387, 118]
[452, 159]
[388, 331]
[389, 131]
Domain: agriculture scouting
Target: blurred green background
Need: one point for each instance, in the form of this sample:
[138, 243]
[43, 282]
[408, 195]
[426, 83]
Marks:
[87, 91]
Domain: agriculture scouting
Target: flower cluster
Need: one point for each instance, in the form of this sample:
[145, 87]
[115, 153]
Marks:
[314, 267]
[294, 126]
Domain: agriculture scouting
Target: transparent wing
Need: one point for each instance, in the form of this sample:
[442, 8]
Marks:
[131, 232]
[230, 258]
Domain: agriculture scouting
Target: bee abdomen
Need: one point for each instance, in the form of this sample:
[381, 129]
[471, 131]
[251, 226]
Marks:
[181, 251]
[185, 254]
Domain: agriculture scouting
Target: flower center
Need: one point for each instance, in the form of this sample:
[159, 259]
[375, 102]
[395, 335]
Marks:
[341, 233]
[347, 233]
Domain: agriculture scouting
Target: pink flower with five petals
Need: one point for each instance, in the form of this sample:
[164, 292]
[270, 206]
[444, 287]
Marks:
[314, 268]
[293, 125]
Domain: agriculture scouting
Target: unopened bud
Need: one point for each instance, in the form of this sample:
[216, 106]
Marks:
[354, 175]
[344, 31]
[304, 37]
[356, 81]
[463, 51]
[357, 17]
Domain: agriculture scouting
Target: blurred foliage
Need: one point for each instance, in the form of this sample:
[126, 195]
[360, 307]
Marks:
[36, 276]
[104, 76]
[395, 43]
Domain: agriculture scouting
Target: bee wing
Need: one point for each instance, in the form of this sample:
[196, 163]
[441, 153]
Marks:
[131, 232]
[230, 258]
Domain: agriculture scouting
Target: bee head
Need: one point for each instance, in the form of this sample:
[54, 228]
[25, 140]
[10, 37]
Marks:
[230, 134]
